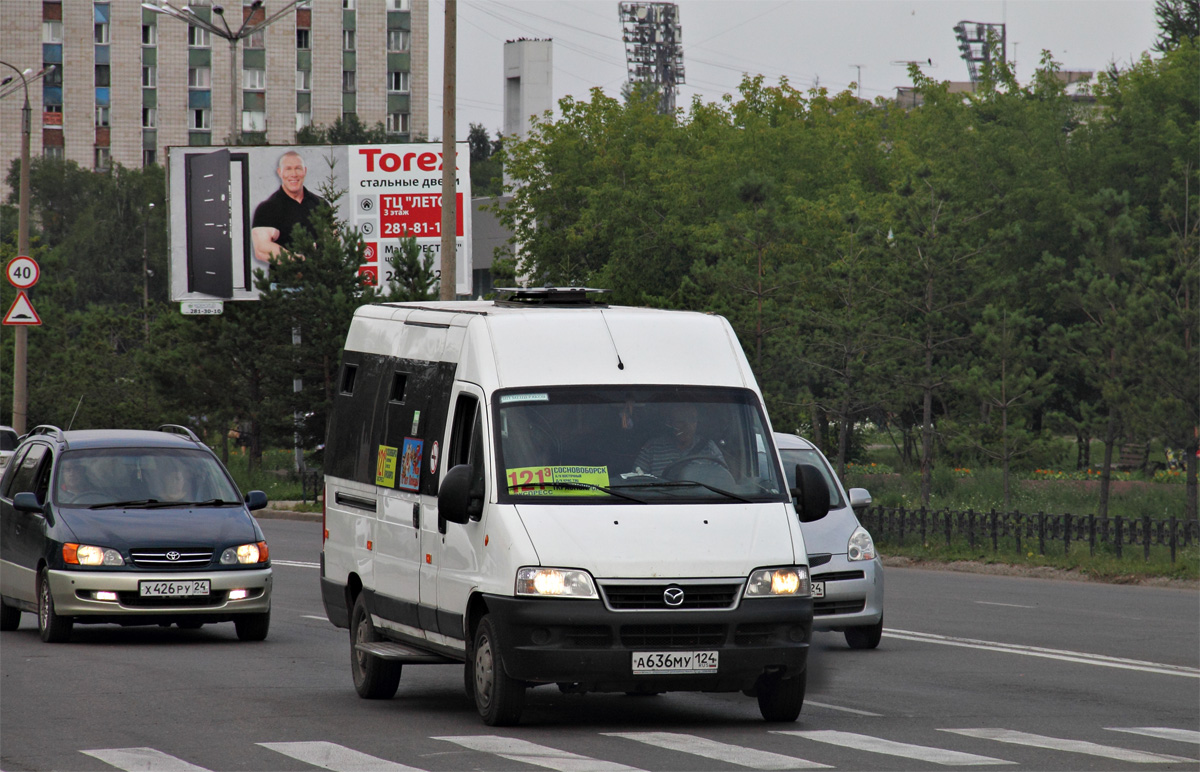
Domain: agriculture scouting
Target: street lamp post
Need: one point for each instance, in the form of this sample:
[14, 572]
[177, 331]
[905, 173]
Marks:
[245, 30]
[20, 335]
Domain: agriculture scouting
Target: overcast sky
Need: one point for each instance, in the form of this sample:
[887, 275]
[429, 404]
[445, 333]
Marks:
[805, 40]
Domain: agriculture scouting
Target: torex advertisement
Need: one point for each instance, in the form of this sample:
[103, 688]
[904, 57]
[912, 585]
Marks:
[231, 209]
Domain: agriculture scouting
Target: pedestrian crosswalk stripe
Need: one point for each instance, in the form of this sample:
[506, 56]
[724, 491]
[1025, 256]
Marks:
[711, 749]
[538, 755]
[1161, 732]
[336, 758]
[1073, 746]
[862, 742]
[142, 760]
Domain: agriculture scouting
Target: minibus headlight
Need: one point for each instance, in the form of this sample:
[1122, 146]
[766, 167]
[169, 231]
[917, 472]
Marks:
[860, 546]
[791, 582]
[555, 582]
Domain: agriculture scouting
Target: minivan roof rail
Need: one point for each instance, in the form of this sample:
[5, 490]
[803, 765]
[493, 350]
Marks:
[47, 429]
[177, 429]
[549, 296]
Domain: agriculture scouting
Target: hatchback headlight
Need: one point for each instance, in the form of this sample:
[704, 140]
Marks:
[245, 553]
[860, 546]
[791, 581]
[90, 555]
[555, 582]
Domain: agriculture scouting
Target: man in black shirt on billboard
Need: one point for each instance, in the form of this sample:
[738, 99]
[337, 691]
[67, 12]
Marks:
[292, 204]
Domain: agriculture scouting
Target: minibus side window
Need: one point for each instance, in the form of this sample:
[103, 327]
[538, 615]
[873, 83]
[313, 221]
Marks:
[466, 441]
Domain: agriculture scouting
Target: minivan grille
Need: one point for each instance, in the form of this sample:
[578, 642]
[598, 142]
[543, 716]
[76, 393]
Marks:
[174, 558]
[650, 596]
[830, 607]
[837, 576]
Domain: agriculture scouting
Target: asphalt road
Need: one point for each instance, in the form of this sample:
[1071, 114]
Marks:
[973, 670]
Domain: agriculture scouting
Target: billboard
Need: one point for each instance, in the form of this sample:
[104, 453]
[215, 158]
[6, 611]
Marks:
[230, 209]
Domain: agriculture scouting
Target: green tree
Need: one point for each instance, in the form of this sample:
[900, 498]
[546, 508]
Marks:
[1178, 20]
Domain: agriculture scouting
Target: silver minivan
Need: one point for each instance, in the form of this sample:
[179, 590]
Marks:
[847, 576]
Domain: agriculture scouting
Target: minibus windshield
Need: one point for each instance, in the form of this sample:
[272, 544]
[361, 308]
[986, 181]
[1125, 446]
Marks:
[608, 444]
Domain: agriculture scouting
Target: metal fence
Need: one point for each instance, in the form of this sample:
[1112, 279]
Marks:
[899, 526]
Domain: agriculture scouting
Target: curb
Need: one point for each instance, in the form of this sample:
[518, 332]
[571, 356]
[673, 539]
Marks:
[286, 514]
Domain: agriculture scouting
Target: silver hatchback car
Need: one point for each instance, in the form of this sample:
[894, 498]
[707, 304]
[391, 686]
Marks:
[847, 575]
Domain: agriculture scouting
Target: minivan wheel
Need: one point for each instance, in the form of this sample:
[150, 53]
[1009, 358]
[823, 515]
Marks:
[10, 617]
[864, 637]
[52, 627]
[374, 678]
[498, 698]
[250, 627]
[781, 699]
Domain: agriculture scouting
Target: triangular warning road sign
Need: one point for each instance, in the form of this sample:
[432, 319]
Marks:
[21, 311]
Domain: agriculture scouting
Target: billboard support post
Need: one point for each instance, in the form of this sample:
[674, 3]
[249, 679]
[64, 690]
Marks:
[450, 159]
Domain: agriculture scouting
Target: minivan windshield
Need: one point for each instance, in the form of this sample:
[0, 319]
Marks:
[142, 477]
[609, 444]
[793, 456]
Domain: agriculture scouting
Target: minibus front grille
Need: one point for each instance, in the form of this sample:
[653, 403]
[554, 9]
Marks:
[654, 636]
[653, 596]
[588, 636]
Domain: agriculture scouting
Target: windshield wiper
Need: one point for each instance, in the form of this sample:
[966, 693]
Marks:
[578, 486]
[125, 504]
[687, 484]
[155, 504]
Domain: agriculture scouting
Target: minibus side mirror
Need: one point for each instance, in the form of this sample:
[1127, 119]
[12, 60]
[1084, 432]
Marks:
[811, 494]
[457, 503]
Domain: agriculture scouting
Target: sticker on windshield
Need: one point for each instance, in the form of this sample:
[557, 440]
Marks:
[557, 480]
[385, 466]
[507, 398]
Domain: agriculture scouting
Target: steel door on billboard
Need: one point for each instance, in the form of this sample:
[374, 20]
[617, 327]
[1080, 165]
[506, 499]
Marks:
[209, 245]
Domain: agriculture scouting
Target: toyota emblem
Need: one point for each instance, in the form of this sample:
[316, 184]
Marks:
[173, 555]
[673, 596]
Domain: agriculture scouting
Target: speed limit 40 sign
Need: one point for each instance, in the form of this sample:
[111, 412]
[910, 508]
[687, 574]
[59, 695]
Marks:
[23, 272]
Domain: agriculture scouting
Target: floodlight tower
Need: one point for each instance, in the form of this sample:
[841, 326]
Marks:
[976, 41]
[654, 48]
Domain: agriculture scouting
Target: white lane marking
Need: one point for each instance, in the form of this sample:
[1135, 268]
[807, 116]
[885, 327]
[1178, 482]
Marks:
[1161, 732]
[538, 755]
[297, 563]
[862, 742]
[142, 760]
[1071, 746]
[711, 749]
[1079, 657]
[1006, 605]
[855, 711]
[336, 758]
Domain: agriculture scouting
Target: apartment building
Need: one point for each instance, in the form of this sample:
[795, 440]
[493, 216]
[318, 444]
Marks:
[130, 82]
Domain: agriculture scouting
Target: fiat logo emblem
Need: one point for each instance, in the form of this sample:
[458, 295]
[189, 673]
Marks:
[673, 596]
[173, 555]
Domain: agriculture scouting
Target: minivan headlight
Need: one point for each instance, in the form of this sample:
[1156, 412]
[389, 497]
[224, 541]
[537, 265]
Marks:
[90, 555]
[860, 546]
[245, 553]
[555, 582]
[791, 582]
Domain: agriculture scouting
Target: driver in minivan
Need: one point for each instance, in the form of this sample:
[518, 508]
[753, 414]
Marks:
[680, 442]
